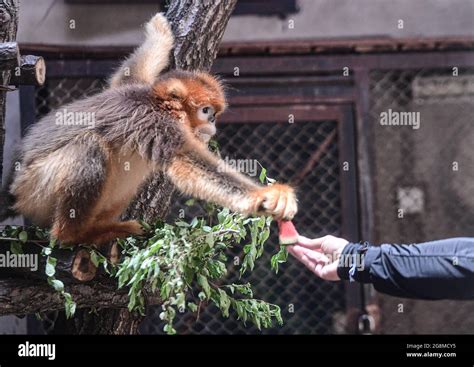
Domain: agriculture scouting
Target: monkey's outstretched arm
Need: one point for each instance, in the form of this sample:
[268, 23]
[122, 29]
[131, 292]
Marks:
[204, 176]
[151, 58]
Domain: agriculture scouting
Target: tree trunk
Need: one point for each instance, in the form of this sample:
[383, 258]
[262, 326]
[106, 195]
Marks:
[8, 27]
[198, 27]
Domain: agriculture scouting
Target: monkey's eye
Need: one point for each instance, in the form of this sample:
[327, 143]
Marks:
[206, 113]
[207, 110]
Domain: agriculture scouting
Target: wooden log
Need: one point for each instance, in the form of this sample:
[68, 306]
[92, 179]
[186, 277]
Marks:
[82, 267]
[26, 296]
[31, 71]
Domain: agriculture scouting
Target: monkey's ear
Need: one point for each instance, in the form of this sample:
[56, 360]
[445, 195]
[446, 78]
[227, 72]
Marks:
[170, 89]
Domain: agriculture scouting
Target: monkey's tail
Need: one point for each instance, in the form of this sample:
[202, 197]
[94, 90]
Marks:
[6, 205]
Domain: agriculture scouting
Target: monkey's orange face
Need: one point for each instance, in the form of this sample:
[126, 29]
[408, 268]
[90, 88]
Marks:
[204, 104]
[200, 96]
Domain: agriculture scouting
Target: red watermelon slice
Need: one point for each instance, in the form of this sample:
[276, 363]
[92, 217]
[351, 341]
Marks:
[287, 232]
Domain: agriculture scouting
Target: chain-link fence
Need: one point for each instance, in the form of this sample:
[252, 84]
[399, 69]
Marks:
[424, 174]
[308, 304]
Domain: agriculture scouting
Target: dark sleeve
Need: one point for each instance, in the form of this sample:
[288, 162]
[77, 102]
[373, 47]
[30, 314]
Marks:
[433, 270]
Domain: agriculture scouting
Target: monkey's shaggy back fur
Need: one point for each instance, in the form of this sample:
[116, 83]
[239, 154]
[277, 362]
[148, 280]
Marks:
[125, 117]
[123, 114]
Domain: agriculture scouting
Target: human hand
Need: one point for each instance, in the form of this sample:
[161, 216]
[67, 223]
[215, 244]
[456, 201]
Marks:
[320, 255]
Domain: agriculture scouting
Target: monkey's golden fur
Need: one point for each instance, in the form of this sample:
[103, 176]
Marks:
[79, 179]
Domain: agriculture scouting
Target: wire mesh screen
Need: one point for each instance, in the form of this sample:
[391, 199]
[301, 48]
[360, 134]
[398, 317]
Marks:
[57, 92]
[424, 174]
[308, 304]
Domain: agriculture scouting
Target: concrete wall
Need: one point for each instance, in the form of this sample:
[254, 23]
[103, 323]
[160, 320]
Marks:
[47, 21]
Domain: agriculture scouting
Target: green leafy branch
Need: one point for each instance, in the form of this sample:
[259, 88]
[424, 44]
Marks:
[178, 259]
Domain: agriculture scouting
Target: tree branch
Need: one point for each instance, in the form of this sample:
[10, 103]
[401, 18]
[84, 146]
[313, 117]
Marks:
[26, 296]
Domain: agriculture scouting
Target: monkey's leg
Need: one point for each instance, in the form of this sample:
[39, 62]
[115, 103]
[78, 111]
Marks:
[78, 187]
[102, 233]
[98, 233]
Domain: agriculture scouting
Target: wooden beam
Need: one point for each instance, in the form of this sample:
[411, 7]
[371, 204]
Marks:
[32, 71]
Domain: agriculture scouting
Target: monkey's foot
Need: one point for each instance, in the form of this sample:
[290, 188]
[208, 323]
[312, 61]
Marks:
[158, 25]
[101, 233]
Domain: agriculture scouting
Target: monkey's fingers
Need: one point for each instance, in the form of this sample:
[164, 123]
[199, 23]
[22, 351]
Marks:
[291, 207]
[280, 201]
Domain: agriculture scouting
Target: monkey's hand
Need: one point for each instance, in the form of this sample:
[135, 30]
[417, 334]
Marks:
[277, 200]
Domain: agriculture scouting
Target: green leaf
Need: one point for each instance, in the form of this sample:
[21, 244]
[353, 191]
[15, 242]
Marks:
[95, 258]
[70, 309]
[145, 226]
[50, 266]
[181, 301]
[46, 251]
[56, 284]
[15, 248]
[263, 175]
[192, 307]
[264, 235]
[52, 242]
[202, 281]
[168, 329]
[165, 291]
[256, 320]
[23, 236]
[182, 224]
[188, 275]
[210, 239]
[190, 202]
[224, 303]
[279, 258]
